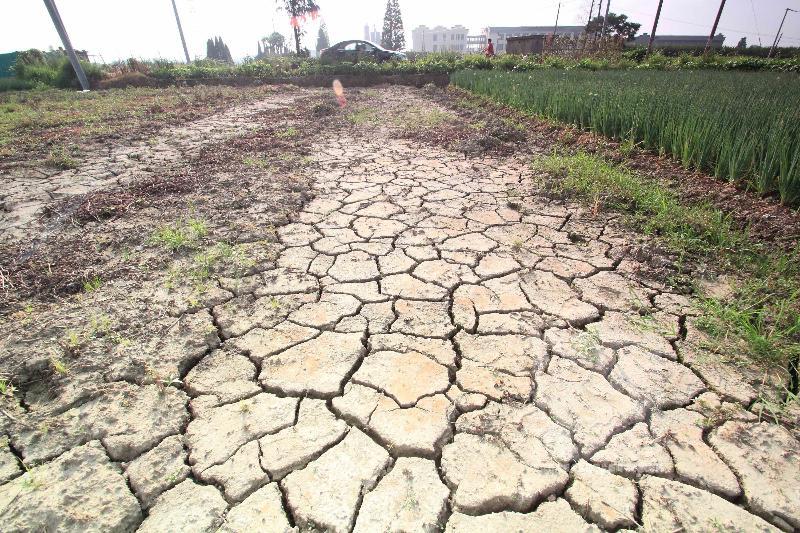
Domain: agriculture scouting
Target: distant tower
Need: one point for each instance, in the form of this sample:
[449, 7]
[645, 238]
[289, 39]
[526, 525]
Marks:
[366, 32]
[375, 35]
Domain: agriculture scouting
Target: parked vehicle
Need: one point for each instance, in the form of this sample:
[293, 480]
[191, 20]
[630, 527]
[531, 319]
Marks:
[352, 51]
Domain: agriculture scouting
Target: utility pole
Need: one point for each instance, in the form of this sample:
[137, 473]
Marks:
[655, 27]
[605, 19]
[714, 29]
[778, 35]
[180, 30]
[555, 30]
[599, 10]
[62, 32]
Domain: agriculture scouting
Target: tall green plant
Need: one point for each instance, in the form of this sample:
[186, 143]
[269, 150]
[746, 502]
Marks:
[742, 127]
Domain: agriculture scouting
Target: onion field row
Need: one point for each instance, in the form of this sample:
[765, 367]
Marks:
[740, 126]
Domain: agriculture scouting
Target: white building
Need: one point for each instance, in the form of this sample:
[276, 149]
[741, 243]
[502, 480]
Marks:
[439, 39]
[498, 34]
[476, 43]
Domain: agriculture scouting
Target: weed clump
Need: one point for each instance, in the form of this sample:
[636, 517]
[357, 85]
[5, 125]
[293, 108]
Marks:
[61, 158]
[323, 109]
[180, 236]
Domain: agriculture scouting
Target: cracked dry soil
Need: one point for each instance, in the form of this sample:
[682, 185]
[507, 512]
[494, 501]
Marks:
[428, 345]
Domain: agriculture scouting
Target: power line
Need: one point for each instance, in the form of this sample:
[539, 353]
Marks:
[706, 25]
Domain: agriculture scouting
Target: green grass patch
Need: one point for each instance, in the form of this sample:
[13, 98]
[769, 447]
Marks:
[762, 320]
[364, 115]
[287, 133]
[183, 235]
[416, 118]
[740, 126]
[411, 118]
[92, 284]
[259, 162]
[693, 230]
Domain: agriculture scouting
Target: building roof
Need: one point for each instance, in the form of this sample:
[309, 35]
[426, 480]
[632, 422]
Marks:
[678, 38]
[534, 29]
[440, 28]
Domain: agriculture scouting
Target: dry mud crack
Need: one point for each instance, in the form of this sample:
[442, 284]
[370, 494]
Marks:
[427, 350]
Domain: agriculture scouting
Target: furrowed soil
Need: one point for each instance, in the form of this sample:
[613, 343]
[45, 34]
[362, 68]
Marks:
[284, 313]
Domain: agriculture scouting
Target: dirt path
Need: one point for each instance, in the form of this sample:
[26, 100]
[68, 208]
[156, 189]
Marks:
[429, 346]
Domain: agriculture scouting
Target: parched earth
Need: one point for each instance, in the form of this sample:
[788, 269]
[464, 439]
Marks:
[428, 345]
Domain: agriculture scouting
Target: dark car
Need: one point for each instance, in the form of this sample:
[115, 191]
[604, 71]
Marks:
[352, 51]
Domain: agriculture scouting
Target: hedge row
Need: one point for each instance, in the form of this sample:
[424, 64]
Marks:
[447, 63]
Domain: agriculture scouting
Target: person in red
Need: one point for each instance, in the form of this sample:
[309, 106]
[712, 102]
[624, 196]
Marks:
[490, 49]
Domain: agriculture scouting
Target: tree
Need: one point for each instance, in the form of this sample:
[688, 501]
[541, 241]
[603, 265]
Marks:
[617, 25]
[322, 38]
[298, 10]
[742, 44]
[394, 38]
[217, 49]
[274, 44]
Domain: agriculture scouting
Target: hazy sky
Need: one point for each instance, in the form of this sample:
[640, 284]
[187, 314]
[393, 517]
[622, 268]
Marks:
[114, 29]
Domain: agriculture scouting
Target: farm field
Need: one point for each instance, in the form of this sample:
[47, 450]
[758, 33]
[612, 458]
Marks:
[741, 127]
[411, 309]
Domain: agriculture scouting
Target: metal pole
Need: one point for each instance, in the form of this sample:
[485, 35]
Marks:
[605, 19]
[777, 35]
[555, 30]
[655, 26]
[180, 30]
[62, 32]
[714, 29]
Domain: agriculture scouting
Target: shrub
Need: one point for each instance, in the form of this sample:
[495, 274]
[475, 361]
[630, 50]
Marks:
[635, 54]
[36, 73]
[128, 79]
[15, 84]
[54, 71]
[67, 79]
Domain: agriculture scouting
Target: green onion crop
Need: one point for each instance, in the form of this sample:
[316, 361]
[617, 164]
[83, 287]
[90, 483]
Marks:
[740, 126]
